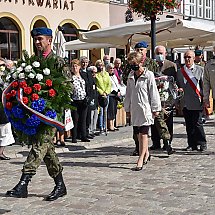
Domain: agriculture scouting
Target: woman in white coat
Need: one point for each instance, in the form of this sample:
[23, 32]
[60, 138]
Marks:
[142, 103]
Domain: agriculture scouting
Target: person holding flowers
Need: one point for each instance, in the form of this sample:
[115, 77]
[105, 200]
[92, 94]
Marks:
[34, 101]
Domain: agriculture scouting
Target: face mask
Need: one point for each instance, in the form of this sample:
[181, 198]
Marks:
[159, 58]
[135, 67]
[106, 62]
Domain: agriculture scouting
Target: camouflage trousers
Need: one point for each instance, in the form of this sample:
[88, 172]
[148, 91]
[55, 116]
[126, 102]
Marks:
[42, 152]
[162, 127]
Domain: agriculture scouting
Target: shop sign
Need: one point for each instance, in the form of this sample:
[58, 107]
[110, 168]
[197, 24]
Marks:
[55, 4]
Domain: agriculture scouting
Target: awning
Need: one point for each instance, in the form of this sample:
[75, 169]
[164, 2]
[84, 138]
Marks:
[169, 32]
[80, 45]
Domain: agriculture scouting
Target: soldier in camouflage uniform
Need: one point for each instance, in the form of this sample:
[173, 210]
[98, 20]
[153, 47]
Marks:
[41, 150]
[152, 66]
[163, 124]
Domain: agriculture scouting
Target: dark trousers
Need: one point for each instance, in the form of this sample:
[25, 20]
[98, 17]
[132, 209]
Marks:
[79, 117]
[194, 127]
[88, 120]
[159, 129]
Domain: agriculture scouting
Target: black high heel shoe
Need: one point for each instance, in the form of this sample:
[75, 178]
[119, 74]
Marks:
[148, 159]
[138, 168]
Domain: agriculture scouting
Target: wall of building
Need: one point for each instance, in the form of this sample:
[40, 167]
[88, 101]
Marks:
[83, 14]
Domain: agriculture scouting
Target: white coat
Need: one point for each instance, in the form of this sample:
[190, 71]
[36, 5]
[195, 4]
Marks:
[142, 98]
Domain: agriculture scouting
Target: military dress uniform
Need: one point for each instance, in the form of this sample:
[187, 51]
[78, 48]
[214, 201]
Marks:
[42, 150]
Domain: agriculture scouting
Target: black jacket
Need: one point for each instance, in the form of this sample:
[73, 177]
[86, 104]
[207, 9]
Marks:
[89, 82]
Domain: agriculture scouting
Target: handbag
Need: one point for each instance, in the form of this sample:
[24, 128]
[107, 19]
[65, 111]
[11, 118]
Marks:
[68, 120]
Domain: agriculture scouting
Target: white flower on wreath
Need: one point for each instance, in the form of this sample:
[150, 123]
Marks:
[31, 75]
[2, 68]
[166, 85]
[19, 69]
[36, 64]
[8, 77]
[28, 68]
[23, 64]
[39, 77]
[164, 96]
[21, 75]
[15, 75]
[12, 69]
[46, 71]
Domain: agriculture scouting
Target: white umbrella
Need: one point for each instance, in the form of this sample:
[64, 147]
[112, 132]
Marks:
[168, 32]
[58, 44]
[80, 45]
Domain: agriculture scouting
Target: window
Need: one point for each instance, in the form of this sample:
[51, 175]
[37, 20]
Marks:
[70, 33]
[192, 7]
[9, 39]
[200, 9]
[208, 9]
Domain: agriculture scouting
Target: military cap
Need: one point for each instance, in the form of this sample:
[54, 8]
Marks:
[142, 44]
[41, 31]
[198, 52]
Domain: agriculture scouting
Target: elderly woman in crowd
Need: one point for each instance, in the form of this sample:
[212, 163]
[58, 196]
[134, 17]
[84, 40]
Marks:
[103, 84]
[113, 97]
[79, 115]
[94, 103]
[6, 136]
[142, 101]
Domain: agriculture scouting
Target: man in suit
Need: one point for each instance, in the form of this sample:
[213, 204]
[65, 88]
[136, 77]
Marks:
[163, 125]
[90, 86]
[190, 78]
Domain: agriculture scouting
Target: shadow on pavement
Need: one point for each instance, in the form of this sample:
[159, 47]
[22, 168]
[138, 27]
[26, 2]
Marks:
[3, 211]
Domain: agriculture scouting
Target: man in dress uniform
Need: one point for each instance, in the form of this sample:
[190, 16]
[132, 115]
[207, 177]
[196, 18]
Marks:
[44, 150]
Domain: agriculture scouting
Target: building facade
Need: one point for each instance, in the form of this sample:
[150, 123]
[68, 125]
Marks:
[19, 17]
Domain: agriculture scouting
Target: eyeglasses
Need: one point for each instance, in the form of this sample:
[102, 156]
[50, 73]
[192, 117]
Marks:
[187, 57]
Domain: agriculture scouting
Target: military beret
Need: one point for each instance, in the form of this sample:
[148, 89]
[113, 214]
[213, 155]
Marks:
[141, 44]
[41, 31]
[198, 52]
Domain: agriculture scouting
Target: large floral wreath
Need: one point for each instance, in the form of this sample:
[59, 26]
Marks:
[36, 96]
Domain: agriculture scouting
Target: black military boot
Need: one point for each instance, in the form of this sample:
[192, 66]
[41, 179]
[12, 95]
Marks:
[168, 147]
[21, 189]
[59, 189]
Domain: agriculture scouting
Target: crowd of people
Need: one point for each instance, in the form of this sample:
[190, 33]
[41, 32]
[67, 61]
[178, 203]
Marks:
[95, 93]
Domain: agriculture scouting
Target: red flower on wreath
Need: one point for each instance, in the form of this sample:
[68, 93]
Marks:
[9, 105]
[28, 90]
[37, 87]
[52, 92]
[13, 93]
[49, 83]
[25, 100]
[15, 84]
[23, 84]
[8, 96]
[34, 97]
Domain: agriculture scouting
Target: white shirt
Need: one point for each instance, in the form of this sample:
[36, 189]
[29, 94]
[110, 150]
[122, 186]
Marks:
[79, 92]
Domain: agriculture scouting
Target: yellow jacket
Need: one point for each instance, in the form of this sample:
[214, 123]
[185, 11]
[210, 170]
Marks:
[103, 82]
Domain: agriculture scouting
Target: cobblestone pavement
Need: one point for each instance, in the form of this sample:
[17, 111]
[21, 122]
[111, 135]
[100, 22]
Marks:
[100, 179]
